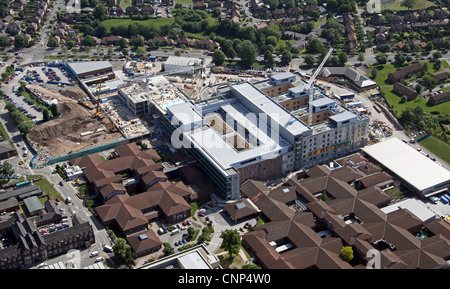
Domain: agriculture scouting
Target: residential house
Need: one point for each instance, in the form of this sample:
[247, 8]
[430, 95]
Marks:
[214, 4]
[199, 6]
[406, 91]
[405, 72]
[440, 98]
[14, 28]
[203, 43]
[132, 10]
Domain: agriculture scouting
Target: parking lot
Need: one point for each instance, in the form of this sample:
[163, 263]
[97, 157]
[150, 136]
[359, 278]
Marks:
[38, 74]
[214, 214]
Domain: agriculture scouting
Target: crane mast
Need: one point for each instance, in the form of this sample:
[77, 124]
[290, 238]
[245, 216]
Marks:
[311, 83]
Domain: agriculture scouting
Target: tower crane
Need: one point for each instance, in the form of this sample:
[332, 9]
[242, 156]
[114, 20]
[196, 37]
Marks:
[97, 111]
[310, 83]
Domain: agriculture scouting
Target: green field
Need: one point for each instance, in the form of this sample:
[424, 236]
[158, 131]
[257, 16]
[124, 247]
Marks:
[125, 3]
[420, 4]
[438, 147]
[156, 22]
[182, 2]
[394, 101]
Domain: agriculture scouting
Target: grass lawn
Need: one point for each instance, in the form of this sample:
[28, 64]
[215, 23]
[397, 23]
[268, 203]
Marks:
[227, 263]
[438, 147]
[47, 188]
[394, 101]
[195, 205]
[182, 2]
[125, 3]
[156, 22]
[420, 4]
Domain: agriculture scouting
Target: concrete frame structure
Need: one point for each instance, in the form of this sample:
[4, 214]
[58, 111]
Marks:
[244, 132]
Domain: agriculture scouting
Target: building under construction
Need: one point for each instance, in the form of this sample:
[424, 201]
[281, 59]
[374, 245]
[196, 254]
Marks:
[265, 130]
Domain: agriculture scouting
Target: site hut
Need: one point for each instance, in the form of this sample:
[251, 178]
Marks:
[417, 172]
[182, 65]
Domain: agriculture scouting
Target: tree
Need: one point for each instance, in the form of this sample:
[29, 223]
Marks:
[374, 73]
[286, 57]
[218, 57]
[437, 54]
[24, 128]
[54, 109]
[429, 46]
[361, 57]
[140, 51]
[6, 170]
[408, 4]
[88, 41]
[168, 249]
[399, 58]
[99, 12]
[123, 43]
[309, 60]
[381, 59]
[268, 58]
[20, 41]
[347, 253]
[342, 58]
[231, 53]
[122, 251]
[247, 52]
[177, 53]
[315, 46]
[231, 242]
[45, 115]
[52, 42]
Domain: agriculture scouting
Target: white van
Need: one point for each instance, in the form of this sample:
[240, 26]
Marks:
[93, 254]
[174, 232]
[108, 248]
[99, 259]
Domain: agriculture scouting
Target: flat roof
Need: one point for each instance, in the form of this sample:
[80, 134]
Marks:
[346, 115]
[414, 206]
[193, 261]
[266, 105]
[33, 204]
[224, 154]
[179, 60]
[322, 101]
[88, 66]
[403, 160]
[282, 75]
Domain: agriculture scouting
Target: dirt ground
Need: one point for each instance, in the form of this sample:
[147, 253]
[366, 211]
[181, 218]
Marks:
[63, 135]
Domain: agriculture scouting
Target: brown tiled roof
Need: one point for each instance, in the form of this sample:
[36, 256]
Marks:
[110, 188]
[152, 242]
[240, 209]
[369, 169]
[374, 179]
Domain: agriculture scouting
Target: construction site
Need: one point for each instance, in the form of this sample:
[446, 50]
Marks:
[78, 127]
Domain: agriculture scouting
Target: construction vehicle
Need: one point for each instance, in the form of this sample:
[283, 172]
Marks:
[84, 103]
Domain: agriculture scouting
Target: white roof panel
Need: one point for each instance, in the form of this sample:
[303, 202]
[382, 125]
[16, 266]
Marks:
[410, 165]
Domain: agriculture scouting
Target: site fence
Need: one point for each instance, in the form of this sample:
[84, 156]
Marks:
[81, 153]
